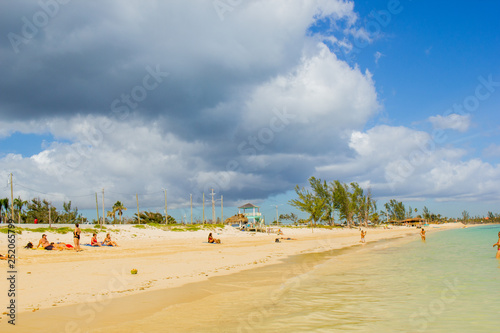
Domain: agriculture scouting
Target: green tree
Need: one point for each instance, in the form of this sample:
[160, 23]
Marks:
[309, 203]
[69, 215]
[409, 213]
[465, 216]
[149, 217]
[322, 191]
[119, 207]
[396, 210]
[426, 214]
[4, 208]
[39, 209]
[341, 197]
[289, 217]
[367, 206]
[18, 206]
[111, 214]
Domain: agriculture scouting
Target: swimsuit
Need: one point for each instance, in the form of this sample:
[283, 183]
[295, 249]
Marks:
[76, 235]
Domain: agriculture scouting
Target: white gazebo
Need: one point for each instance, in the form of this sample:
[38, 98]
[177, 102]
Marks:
[251, 212]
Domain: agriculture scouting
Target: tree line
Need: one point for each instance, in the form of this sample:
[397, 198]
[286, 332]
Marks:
[352, 204]
[44, 212]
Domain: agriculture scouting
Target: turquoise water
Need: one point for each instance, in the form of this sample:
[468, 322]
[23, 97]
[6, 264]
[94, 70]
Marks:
[450, 283]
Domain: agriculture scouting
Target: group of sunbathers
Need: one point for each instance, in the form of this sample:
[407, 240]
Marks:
[43, 243]
[106, 242]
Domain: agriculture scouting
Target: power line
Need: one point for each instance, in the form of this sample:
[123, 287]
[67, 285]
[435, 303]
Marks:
[52, 194]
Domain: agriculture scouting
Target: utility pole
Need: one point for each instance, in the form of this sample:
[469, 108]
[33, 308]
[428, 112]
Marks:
[191, 200]
[138, 216]
[97, 209]
[166, 214]
[11, 199]
[50, 222]
[203, 207]
[103, 211]
[221, 209]
[213, 207]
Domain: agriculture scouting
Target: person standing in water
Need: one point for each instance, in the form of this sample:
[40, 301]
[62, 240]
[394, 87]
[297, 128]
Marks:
[363, 234]
[422, 234]
[497, 244]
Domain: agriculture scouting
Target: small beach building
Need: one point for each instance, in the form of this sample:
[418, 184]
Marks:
[251, 212]
[413, 222]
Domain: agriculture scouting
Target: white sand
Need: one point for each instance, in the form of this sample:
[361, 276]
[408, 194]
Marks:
[164, 259]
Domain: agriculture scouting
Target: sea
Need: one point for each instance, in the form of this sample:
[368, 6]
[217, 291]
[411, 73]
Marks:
[448, 283]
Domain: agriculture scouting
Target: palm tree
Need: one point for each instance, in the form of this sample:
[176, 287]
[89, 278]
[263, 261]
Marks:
[19, 204]
[111, 213]
[4, 206]
[118, 207]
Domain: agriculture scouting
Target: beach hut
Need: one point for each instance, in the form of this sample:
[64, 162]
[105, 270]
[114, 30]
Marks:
[413, 222]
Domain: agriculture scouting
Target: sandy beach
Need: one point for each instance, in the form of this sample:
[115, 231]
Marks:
[164, 260]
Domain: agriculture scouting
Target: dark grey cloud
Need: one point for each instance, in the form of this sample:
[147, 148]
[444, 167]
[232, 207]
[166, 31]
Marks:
[251, 104]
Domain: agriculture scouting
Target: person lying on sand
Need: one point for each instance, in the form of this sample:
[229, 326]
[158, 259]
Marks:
[213, 240]
[63, 246]
[278, 240]
[497, 244]
[94, 241]
[108, 242]
[44, 243]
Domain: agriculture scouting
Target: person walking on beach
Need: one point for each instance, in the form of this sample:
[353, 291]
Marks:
[422, 234]
[76, 237]
[497, 244]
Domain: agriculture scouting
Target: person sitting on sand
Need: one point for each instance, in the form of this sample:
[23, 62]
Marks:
[422, 234]
[93, 241]
[497, 244]
[43, 242]
[213, 240]
[108, 242]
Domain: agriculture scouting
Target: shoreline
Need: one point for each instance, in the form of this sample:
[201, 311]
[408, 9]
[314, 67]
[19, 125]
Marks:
[183, 261]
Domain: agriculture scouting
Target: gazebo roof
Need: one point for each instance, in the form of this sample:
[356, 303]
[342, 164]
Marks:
[248, 205]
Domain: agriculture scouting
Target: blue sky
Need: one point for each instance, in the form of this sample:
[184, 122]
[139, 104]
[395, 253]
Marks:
[317, 88]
